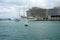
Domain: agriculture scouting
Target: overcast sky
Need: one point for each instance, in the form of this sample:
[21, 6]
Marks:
[10, 8]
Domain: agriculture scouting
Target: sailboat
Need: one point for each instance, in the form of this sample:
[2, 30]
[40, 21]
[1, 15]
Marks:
[26, 21]
[17, 20]
[25, 18]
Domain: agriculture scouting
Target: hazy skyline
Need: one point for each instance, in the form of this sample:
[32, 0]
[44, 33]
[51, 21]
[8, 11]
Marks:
[10, 8]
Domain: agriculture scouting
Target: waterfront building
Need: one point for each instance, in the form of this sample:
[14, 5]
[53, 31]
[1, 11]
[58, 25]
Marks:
[55, 13]
[36, 12]
[44, 14]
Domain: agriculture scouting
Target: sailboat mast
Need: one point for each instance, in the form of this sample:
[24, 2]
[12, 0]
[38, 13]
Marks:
[19, 12]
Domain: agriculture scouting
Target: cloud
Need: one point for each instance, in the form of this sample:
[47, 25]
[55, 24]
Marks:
[11, 7]
[39, 3]
[8, 11]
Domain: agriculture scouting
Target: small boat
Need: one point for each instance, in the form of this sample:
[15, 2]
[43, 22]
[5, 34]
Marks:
[16, 20]
[26, 25]
[26, 22]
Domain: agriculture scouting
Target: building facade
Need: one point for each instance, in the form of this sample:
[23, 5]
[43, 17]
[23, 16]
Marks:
[44, 14]
[36, 13]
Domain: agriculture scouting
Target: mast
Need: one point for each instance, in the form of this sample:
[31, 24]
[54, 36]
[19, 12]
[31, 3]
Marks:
[19, 13]
[26, 20]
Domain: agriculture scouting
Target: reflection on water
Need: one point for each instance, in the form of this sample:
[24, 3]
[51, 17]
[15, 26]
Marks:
[37, 30]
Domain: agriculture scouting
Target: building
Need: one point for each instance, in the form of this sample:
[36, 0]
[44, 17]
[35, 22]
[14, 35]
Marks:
[55, 13]
[36, 13]
[44, 14]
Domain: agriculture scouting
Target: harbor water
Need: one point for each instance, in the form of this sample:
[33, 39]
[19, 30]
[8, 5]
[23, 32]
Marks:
[37, 30]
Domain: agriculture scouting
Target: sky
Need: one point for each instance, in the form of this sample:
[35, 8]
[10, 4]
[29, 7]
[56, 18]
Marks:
[10, 8]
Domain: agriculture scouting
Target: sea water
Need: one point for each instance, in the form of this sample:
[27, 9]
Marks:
[37, 30]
